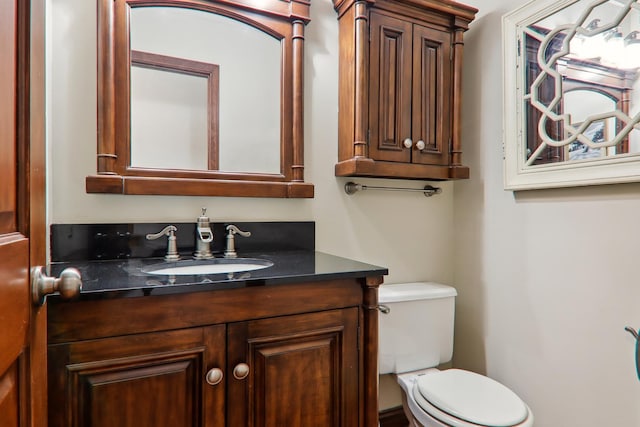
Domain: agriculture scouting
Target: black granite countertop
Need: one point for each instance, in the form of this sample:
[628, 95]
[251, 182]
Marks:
[124, 278]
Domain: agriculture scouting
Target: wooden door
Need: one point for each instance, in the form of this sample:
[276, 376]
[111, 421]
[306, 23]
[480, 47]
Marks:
[22, 212]
[431, 96]
[390, 88]
[142, 380]
[303, 371]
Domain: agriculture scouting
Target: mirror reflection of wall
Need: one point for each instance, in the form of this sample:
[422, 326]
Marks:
[168, 108]
[249, 92]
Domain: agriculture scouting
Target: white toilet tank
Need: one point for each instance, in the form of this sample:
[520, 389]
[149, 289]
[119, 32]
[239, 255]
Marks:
[417, 333]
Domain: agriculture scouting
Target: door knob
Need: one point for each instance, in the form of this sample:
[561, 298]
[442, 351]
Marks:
[68, 284]
[420, 145]
[214, 376]
[407, 142]
[241, 371]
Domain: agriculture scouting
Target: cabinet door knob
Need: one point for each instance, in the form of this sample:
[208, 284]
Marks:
[408, 142]
[420, 145]
[214, 376]
[241, 371]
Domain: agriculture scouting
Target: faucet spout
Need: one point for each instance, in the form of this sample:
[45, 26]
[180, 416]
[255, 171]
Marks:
[205, 234]
[204, 237]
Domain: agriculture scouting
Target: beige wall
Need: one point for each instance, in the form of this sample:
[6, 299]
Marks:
[547, 280]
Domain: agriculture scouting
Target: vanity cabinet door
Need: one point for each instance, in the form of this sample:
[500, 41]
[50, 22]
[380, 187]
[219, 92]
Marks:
[302, 371]
[143, 380]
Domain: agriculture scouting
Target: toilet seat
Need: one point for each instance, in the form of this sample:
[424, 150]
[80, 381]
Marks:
[472, 398]
[470, 393]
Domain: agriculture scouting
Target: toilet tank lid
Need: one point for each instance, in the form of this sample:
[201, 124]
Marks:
[414, 291]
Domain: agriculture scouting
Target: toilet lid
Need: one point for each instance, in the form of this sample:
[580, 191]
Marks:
[472, 397]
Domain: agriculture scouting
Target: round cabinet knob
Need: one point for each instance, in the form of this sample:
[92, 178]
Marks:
[408, 142]
[68, 284]
[241, 371]
[420, 145]
[214, 376]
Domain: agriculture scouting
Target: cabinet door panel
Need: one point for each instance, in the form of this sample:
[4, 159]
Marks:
[145, 380]
[431, 110]
[303, 371]
[390, 88]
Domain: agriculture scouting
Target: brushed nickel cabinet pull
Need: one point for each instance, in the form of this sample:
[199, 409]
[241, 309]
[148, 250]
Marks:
[241, 371]
[214, 376]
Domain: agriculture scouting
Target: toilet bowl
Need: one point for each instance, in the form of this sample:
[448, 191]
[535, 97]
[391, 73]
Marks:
[416, 335]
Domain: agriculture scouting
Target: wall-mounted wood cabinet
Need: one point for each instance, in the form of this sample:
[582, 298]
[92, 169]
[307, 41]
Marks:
[400, 80]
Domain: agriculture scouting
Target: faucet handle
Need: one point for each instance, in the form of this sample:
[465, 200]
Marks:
[232, 229]
[172, 247]
[230, 251]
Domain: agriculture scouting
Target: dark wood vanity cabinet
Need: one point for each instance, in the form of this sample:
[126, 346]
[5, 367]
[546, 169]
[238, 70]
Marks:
[284, 356]
[400, 80]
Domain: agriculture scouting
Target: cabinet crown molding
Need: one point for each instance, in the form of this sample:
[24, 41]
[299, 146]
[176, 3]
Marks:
[459, 10]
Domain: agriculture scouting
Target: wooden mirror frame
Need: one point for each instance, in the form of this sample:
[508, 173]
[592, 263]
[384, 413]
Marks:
[283, 20]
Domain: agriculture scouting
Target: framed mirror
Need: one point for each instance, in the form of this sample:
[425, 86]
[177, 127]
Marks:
[572, 93]
[201, 97]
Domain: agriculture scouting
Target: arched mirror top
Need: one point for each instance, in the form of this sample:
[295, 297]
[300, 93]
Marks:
[201, 98]
[572, 93]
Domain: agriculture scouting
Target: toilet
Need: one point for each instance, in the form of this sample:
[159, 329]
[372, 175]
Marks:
[416, 336]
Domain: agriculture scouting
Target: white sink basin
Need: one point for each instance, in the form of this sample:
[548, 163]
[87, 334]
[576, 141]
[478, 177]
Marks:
[204, 267]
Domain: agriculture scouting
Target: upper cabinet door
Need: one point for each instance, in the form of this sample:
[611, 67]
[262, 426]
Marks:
[431, 111]
[390, 88]
[410, 92]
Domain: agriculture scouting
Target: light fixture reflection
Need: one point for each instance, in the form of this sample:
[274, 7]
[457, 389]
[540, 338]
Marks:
[631, 58]
[614, 49]
[610, 47]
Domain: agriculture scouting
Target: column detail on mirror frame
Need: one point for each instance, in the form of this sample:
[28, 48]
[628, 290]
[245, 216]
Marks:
[281, 25]
[297, 168]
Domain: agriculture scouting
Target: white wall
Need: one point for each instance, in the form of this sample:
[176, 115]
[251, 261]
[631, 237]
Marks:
[547, 280]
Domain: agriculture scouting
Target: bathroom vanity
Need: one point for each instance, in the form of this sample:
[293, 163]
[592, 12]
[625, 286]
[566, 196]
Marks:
[294, 344]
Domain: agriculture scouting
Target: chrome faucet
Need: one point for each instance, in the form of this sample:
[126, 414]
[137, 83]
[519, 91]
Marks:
[172, 246]
[204, 236]
[230, 251]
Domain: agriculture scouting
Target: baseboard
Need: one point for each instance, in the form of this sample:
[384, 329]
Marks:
[393, 417]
